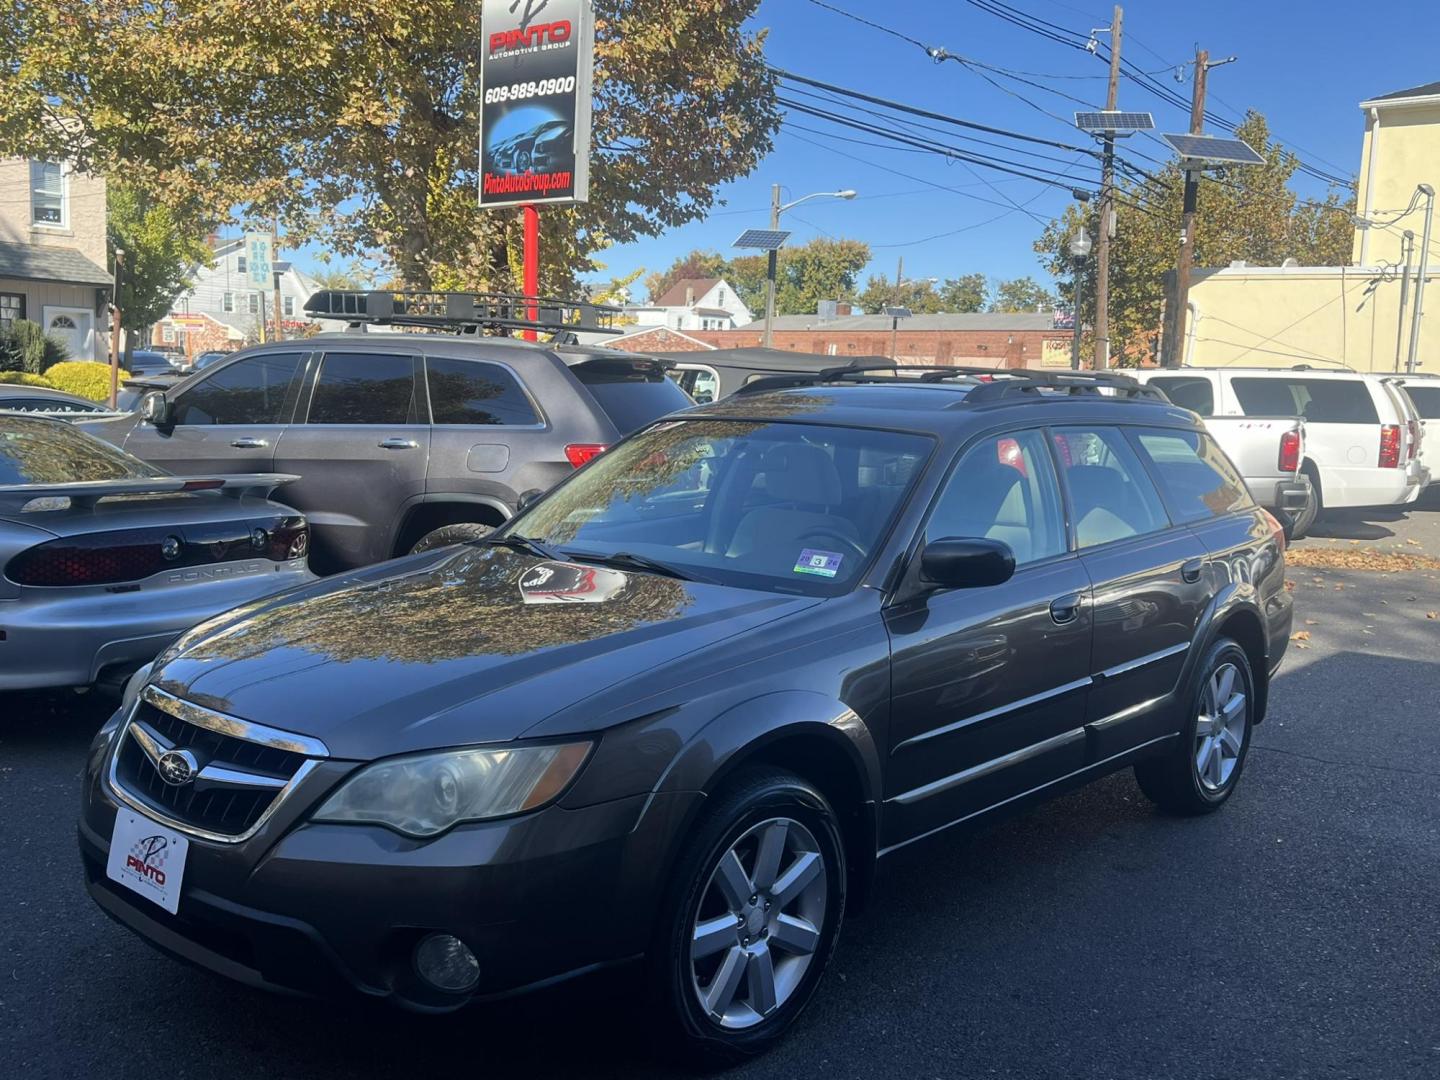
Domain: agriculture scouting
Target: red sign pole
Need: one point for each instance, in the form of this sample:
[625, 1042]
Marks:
[532, 264]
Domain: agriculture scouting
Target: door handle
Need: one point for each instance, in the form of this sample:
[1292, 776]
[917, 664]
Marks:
[247, 442]
[398, 444]
[1190, 572]
[1065, 609]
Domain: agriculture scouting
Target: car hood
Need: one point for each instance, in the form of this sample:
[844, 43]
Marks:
[451, 651]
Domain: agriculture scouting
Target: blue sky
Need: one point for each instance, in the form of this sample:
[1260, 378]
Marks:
[1305, 66]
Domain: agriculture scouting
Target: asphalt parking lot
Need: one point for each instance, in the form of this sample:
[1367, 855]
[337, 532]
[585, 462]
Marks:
[1293, 934]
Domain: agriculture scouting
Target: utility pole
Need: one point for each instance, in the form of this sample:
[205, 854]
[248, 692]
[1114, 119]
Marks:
[275, 276]
[1107, 207]
[772, 267]
[115, 327]
[1176, 344]
[1412, 362]
[1407, 252]
[899, 297]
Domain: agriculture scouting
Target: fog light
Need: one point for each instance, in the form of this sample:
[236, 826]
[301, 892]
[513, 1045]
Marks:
[446, 964]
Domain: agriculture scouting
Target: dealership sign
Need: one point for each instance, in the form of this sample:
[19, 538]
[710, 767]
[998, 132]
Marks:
[535, 80]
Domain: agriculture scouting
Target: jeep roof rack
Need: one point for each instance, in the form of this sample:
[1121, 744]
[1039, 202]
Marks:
[461, 312]
[984, 384]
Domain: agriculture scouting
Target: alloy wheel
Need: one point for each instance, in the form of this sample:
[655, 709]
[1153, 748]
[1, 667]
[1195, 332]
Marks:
[759, 923]
[1220, 727]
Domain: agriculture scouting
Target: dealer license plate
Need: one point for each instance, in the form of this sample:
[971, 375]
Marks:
[148, 858]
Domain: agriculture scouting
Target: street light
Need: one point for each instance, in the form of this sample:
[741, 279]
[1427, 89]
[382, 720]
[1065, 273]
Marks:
[776, 209]
[1080, 245]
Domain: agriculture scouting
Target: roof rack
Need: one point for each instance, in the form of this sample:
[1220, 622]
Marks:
[461, 311]
[987, 384]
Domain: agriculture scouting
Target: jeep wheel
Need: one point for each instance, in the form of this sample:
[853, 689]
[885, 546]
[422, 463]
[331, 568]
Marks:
[451, 534]
[1201, 771]
[760, 895]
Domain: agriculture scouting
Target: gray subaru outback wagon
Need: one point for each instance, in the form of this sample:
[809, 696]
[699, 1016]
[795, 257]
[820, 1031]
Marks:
[403, 441]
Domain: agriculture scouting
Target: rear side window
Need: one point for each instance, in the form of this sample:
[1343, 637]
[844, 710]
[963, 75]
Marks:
[1004, 489]
[255, 390]
[631, 395]
[471, 392]
[1196, 478]
[1197, 395]
[364, 388]
[1426, 399]
[1111, 496]
[1321, 401]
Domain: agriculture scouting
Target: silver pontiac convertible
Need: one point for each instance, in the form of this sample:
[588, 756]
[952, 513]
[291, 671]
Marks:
[104, 559]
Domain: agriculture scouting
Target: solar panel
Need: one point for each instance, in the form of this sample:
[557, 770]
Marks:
[762, 239]
[1114, 121]
[1213, 150]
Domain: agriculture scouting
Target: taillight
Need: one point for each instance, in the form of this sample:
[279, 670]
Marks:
[1390, 446]
[1290, 452]
[579, 453]
[1277, 531]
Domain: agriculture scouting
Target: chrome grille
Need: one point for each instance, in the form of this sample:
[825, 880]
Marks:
[205, 772]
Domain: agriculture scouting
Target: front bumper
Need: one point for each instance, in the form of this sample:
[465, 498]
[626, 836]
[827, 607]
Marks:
[66, 637]
[321, 909]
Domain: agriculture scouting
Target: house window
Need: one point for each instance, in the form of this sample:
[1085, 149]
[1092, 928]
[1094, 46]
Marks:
[12, 307]
[240, 264]
[721, 295]
[254, 303]
[227, 302]
[289, 305]
[47, 193]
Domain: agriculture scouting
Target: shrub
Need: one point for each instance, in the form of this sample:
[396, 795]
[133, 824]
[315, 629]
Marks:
[87, 378]
[26, 347]
[24, 378]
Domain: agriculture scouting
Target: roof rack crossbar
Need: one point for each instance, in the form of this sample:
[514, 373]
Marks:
[461, 311]
[1020, 382]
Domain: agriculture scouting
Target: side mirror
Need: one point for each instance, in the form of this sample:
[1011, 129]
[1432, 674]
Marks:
[966, 563]
[155, 408]
[527, 498]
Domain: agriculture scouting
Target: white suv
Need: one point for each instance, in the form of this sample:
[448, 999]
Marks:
[1424, 393]
[1362, 433]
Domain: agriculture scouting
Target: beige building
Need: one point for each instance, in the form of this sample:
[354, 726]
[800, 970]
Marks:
[52, 252]
[1329, 316]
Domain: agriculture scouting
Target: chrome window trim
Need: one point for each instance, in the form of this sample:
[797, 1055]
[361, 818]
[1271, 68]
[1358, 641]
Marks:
[999, 710]
[985, 768]
[233, 726]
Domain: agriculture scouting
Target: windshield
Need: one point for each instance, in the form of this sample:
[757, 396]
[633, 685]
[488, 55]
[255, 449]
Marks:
[767, 505]
[53, 452]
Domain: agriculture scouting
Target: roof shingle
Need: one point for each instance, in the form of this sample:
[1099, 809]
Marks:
[67, 266]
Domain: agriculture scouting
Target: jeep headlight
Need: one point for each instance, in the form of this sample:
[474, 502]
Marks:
[424, 794]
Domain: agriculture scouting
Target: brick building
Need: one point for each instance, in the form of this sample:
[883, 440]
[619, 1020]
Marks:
[989, 339]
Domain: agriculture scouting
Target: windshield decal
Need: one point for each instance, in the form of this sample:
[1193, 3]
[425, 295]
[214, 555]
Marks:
[568, 583]
[820, 563]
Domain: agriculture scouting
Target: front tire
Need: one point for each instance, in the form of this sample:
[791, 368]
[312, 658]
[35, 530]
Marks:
[1199, 774]
[754, 913]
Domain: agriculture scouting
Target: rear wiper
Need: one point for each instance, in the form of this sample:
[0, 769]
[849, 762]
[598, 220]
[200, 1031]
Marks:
[637, 562]
[525, 544]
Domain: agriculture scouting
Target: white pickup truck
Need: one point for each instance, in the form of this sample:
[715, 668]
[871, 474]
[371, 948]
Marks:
[1268, 450]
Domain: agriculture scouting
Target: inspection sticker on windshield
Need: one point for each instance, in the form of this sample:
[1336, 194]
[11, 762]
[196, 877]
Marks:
[823, 563]
[148, 858]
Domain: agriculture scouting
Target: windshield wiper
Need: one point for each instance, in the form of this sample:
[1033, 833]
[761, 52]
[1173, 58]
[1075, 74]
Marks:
[637, 562]
[525, 544]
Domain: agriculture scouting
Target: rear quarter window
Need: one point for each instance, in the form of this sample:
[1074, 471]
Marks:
[472, 392]
[1196, 479]
[1321, 401]
[631, 395]
[1426, 399]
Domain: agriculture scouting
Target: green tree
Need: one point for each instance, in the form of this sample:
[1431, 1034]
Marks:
[697, 264]
[919, 296]
[1022, 294]
[160, 252]
[1251, 214]
[356, 121]
[806, 274]
[964, 294]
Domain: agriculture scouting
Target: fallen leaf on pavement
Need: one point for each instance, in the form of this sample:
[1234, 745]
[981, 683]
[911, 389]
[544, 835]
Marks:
[1300, 635]
[1311, 622]
[1359, 559]
[1432, 614]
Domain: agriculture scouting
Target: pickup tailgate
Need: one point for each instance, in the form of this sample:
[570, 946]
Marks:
[1267, 450]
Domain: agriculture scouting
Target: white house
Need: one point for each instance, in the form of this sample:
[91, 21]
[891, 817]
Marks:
[694, 304]
[224, 310]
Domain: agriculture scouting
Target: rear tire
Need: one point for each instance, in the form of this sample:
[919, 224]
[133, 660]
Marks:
[738, 954]
[1199, 773]
[451, 534]
[1303, 519]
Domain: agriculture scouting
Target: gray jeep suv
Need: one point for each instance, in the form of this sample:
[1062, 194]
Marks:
[400, 438]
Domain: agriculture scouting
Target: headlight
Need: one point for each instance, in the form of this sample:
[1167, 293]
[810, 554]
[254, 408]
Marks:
[425, 794]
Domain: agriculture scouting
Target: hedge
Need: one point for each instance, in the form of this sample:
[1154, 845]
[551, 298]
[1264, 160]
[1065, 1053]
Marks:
[87, 378]
[24, 346]
[24, 378]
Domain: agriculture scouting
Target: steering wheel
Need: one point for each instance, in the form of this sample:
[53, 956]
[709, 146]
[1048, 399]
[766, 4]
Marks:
[839, 537]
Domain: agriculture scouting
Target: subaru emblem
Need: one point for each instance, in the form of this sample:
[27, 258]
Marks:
[177, 767]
